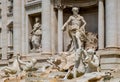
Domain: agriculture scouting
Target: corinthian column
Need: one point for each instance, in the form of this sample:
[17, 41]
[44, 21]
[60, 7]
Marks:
[111, 23]
[101, 25]
[17, 26]
[46, 24]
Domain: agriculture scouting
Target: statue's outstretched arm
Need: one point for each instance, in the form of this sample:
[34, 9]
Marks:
[66, 23]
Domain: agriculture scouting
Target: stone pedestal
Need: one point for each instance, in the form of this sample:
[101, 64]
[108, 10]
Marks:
[109, 58]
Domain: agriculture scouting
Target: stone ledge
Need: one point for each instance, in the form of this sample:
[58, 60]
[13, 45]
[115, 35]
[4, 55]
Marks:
[38, 56]
[46, 53]
[110, 60]
[4, 62]
[33, 3]
[109, 52]
[110, 66]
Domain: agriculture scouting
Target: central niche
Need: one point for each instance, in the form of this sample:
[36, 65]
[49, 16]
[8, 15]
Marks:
[35, 32]
[91, 17]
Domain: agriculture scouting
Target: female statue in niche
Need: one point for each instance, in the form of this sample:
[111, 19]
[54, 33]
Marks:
[36, 35]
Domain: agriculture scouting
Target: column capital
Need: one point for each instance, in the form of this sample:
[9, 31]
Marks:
[60, 6]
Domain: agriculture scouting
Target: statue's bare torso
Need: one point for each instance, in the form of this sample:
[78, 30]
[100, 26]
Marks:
[76, 22]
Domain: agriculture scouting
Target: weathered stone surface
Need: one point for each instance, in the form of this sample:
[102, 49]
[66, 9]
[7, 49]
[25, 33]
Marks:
[54, 41]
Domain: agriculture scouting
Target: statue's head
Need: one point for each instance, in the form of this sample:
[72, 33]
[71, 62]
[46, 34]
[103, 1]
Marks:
[91, 51]
[37, 19]
[75, 10]
[34, 60]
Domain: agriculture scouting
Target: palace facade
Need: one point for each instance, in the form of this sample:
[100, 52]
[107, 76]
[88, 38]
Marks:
[17, 18]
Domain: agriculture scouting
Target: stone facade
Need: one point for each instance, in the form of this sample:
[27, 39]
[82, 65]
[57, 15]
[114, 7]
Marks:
[54, 39]
[17, 20]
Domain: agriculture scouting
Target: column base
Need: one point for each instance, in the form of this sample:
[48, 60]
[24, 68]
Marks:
[109, 58]
[46, 53]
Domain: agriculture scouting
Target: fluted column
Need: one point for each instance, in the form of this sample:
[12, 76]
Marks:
[60, 32]
[17, 26]
[46, 24]
[111, 23]
[4, 29]
[101, 25]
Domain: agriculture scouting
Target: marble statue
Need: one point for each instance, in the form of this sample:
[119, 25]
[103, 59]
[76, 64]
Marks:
[9, 70]
[77, 33]
[18, 70]
[36, 35]
[77, 29]
[92, 61]
[87, 54]
[88, 64]
[27, 66]
[87, 60]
